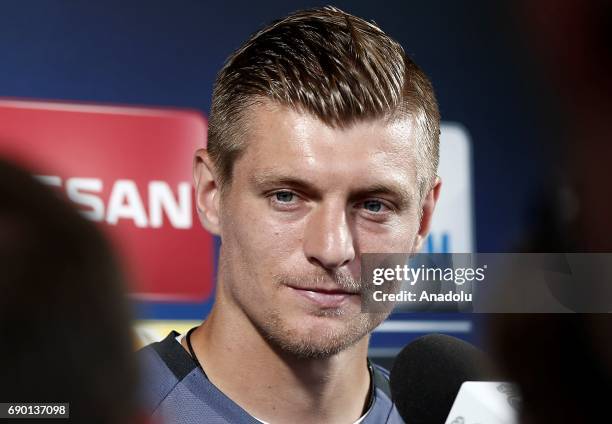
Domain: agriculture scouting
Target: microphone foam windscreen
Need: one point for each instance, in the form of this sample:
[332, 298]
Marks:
[428, 373]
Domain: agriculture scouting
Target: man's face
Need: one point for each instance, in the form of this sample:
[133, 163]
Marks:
[305, 201]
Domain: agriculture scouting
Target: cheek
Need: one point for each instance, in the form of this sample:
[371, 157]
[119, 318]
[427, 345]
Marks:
[253, 235]
[397, 237]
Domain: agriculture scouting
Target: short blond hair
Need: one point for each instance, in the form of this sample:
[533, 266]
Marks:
[338, 67]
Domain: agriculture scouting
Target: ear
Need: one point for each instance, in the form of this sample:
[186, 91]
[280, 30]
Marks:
[206, 191]
[428, 205]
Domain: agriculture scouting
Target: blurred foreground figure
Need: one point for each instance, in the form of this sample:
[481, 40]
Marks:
[562, 363]
[64, 322]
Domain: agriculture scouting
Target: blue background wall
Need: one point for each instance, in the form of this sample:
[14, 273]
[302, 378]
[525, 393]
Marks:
[167, 54]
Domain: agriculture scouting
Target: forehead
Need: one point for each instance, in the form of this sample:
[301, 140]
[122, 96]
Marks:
[288, 141]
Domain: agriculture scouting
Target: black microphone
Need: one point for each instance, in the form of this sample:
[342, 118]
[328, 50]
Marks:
[428, 373]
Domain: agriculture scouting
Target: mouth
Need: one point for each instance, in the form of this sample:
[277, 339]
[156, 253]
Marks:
[324, 297]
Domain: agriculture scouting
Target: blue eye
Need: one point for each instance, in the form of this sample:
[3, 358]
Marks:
[284, 196]
[372, 205]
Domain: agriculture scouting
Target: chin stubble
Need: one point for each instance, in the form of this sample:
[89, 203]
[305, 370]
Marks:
[313, 344]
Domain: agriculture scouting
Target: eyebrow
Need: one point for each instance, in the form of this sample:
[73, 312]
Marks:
[400, 194]
[265, 179]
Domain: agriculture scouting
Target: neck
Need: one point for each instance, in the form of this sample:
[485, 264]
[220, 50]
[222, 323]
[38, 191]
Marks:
[276, 386]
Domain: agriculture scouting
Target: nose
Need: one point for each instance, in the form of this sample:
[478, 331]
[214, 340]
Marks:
[328, 239]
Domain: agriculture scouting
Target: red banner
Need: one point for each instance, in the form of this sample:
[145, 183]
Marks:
[128, 169]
